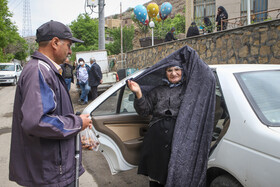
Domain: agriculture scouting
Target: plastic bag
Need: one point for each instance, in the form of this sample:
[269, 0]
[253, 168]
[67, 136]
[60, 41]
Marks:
[89, 140]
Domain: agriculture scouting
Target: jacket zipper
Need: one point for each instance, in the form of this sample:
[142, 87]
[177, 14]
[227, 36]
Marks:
[60, 160]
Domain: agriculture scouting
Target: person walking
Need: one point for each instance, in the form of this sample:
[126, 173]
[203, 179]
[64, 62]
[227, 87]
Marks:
[170, 35]
[82, 76]
[67, 73]
[44, 126]
[221, 15]
[95, 77]
[193, 30]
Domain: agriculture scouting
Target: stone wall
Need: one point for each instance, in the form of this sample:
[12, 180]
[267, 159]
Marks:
[253, 44]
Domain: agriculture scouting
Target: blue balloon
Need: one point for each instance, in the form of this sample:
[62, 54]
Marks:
[165, 9]
[141, 13]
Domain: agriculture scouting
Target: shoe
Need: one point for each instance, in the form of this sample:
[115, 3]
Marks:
[84, 103]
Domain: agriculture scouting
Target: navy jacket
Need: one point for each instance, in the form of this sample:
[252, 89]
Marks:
[95, 75]
[44, 128]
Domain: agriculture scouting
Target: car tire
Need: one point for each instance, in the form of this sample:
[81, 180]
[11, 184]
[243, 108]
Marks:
[225, 181]
[15, 81]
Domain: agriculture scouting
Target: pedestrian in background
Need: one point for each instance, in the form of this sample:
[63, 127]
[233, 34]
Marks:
[95, 77]
[207, 25]
[67, 73]
[221, 15]
[82, 76]
[44, 126]
[170, 35]
[193, 30]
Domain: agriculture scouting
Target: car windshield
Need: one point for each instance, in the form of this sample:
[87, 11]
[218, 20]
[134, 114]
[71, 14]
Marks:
[262, 90]
[7, 67]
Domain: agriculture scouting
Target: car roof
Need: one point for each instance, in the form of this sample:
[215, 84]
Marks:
[236, 68]
[9, 63]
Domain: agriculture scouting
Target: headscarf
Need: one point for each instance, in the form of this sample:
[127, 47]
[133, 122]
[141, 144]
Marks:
[172, 85]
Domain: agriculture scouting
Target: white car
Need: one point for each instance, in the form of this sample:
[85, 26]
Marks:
[245, 149]
[10, 72]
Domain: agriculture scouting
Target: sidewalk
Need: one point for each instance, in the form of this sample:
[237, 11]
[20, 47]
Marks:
[86, 179]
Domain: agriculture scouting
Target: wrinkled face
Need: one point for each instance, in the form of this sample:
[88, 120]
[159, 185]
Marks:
[63, 50]
[174, 74]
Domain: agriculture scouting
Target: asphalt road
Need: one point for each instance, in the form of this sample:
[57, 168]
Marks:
[97, 170]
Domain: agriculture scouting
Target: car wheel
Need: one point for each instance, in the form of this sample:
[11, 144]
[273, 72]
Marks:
[15, 81]
[225, 181]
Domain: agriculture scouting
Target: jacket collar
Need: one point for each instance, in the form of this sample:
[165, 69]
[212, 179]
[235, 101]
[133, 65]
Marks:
[40, 56]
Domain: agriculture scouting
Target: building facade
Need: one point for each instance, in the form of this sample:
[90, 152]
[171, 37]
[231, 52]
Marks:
[197, 9]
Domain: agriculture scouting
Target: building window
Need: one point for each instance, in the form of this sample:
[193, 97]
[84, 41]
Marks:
[204, 8]
[256, 7]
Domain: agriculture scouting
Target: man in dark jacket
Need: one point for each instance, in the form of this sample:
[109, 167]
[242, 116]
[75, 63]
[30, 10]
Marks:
[44, 126]
[95, 77]
[67, 73]
[170, 35]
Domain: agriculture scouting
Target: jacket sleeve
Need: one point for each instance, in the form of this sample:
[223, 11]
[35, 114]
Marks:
[145, 105]
[40, 116]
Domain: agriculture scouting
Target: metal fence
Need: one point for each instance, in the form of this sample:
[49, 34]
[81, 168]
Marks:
[255, 18]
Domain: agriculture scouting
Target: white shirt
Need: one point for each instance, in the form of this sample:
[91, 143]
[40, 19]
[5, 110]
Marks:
[83, 74]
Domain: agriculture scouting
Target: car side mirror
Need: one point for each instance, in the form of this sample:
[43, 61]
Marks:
[131, 97]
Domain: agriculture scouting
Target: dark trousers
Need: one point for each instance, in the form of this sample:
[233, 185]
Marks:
[94, 92]
[155, 184]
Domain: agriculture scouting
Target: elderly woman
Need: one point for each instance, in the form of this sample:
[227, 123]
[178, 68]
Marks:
[163, 103]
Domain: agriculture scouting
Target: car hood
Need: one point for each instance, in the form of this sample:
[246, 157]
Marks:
[6, 72]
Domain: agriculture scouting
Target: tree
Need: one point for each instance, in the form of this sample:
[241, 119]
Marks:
[161, 28]
[115, 33]
[11, 45]
[85, 29]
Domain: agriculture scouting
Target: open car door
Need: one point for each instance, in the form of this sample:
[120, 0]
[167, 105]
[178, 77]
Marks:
[120, 130]
[118, 127]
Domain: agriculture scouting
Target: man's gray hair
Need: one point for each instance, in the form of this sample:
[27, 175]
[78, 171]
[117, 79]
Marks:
[92, 59]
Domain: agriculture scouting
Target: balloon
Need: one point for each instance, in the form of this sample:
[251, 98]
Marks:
[161, 17]
[141, 13]
[152, 9]
[158, 18]
[165, 10]
[147, 20]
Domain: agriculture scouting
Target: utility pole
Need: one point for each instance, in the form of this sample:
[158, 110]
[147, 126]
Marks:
[26, 27]
[121, 33]
[248, 12]
[101, 25]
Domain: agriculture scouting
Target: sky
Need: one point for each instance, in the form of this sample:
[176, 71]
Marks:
[64, 11]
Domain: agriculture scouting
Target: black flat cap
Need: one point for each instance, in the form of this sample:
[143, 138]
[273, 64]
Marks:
[52, 29]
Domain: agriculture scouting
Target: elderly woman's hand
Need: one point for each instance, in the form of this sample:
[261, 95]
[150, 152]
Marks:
[133, 86]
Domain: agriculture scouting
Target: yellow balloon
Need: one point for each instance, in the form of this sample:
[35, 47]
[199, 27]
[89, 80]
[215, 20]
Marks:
[158, 18]
[152, 9]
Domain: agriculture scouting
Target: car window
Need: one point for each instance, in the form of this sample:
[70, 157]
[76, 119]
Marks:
[262, 91]
[119, 102]
[109, 106]
[127, 102]
[7, 68]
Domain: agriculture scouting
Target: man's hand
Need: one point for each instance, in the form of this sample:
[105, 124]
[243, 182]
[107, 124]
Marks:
[86, 121]
[101, 81]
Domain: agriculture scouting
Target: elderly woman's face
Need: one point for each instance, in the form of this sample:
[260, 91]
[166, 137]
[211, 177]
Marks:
[174, 74]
